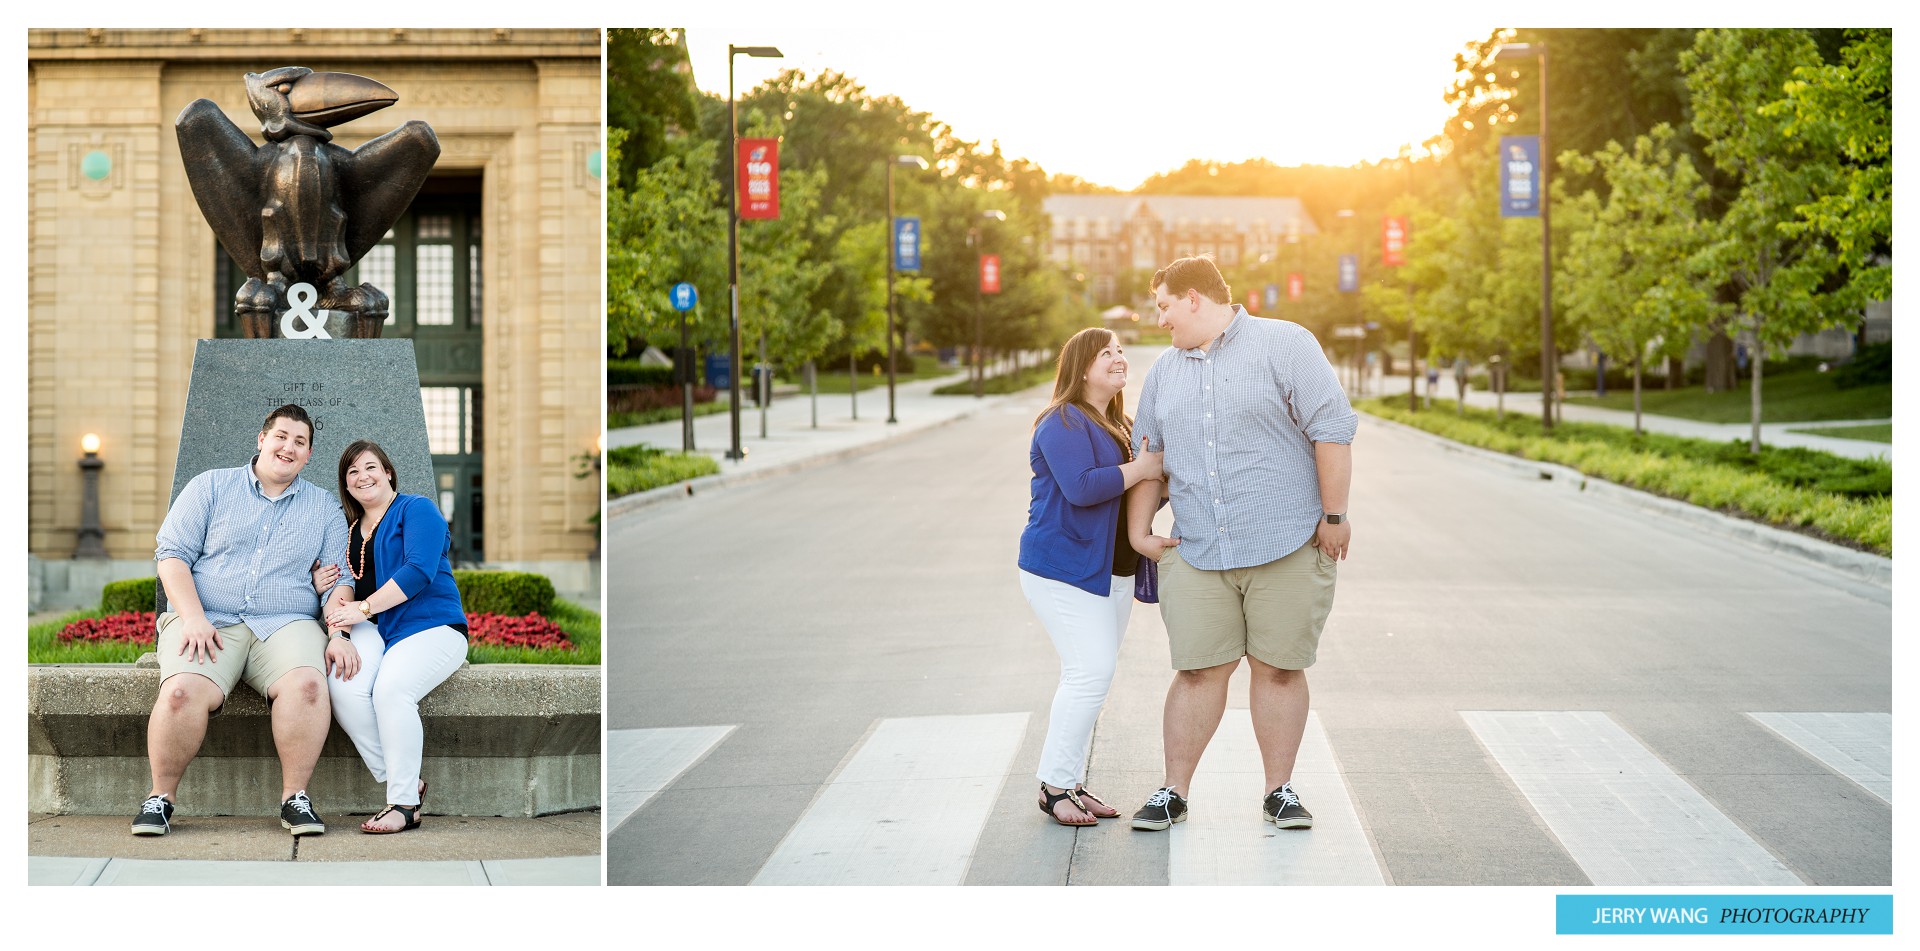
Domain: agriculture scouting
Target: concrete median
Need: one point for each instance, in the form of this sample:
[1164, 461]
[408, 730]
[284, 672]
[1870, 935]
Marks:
[501, 740]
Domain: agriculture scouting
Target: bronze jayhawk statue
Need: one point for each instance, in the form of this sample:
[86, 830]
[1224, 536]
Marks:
[300, 209]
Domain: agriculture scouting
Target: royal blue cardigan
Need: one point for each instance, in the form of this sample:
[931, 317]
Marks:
[411, 546]
[1076, 507]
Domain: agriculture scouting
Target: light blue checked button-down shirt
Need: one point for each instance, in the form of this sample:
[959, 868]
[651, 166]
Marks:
[1238, 422]
[252, 556]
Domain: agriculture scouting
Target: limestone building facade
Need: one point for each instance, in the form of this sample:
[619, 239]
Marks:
[495, 272]
[1117, 241]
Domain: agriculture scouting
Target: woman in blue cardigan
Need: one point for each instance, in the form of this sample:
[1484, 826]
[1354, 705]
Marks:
[405, 621]
[1076, 566]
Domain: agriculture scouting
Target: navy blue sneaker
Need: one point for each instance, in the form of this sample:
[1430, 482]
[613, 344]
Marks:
[1283, 809]
[1163, 809]
[297, 816]
[155, 818]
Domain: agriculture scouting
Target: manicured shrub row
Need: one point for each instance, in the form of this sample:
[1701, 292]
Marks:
[1845, 500]
[134, 594]
[1000, 383]
[633, 469]
[495, 592]
[631, 373]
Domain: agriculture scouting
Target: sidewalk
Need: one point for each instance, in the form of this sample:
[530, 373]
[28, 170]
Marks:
[1773, 434]
[793, 441]
[254, 850]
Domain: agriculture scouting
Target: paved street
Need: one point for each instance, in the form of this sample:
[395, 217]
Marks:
[830, 676]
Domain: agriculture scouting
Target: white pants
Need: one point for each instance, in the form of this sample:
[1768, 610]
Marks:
[1086, 630]
[380, 707]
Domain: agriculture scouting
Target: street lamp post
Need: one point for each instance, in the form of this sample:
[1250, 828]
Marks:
[1539, 51]
[979, 305]
[92, 541]
[737, 452]
[893, 251]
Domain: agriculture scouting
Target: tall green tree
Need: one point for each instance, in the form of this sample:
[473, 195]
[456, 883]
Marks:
[650, 93]
[1624, 276]
[664, 226]
[1781, 277]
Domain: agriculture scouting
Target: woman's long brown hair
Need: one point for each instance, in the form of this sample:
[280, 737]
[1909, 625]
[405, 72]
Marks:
[1070, 386]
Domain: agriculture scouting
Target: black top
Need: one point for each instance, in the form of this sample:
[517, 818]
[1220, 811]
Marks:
[1126, 561]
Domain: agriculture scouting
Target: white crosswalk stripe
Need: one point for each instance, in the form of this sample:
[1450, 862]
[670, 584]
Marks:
[1621, 813]
[640, 763]
[906, 809]
[1858, 746]
[1225, 841]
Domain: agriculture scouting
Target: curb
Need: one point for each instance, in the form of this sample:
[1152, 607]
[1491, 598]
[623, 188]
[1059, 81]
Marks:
[1858, 565]
[627, 504]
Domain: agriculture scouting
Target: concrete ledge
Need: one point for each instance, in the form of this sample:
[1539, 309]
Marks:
[501, 740]
[1864, 566]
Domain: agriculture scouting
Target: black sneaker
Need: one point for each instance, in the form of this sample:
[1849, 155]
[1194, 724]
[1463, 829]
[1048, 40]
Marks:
[1163, 808]
[155, 818]
[298, 817]
[1283, 809]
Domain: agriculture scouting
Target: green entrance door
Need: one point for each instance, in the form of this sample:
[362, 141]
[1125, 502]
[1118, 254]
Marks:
[429, 265]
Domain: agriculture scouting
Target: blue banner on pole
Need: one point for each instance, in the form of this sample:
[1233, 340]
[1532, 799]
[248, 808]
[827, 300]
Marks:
[1273, 296]
[906, 244]
[1349, 273]
[683, 296]
[1522, 177]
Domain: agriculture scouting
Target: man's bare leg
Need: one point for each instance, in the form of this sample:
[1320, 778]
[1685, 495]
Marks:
[1195, 701]
[1278, 701]
[177, 727]
[301, 715]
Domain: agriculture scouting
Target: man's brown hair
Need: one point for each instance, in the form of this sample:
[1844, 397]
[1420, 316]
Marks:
[1194, 274]
[293, 412]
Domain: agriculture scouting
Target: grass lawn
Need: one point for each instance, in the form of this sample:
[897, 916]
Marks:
[837, 382]
[1792, 397]
[1872, 432]
[582, 627]
[1000, 383]
[633, 469]
[1849, 501]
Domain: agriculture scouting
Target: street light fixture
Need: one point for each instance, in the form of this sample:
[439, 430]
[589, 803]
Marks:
[1539, 51]
[92, 536]
[737, 452]
[893, 250]
[979, 304]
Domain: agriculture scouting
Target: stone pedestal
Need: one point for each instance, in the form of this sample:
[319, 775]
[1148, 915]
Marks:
[353, 389]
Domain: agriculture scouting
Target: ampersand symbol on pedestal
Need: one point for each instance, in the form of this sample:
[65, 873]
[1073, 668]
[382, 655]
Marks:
[300, 298]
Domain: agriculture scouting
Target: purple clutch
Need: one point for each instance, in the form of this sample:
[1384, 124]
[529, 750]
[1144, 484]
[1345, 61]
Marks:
[1146, 582]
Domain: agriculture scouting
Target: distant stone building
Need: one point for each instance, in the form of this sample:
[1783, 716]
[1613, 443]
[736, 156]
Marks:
[1110, 239]
[494, 272]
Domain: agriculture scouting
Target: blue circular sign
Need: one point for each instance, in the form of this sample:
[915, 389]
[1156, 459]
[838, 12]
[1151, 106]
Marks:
[684, 296]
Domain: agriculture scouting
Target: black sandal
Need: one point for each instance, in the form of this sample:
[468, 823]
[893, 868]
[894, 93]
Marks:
[1086, 793]
[411, 815]
[1053, 799]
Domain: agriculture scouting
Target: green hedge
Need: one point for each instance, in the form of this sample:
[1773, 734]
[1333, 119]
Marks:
[134, 594]
[633, 469]
[512, 593]
[631, 373]
[1842, 499]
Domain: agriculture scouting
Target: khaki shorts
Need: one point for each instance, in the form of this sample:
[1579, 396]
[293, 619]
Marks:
[243, 656]
[1272, 612]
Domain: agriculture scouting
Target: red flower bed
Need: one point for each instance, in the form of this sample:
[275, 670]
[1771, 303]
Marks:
[133, 627]
[530, 631]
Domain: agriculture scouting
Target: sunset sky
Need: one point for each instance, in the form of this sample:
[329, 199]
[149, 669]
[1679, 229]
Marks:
[1113, 105]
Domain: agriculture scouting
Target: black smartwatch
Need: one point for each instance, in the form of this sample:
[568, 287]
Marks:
[1335, 518]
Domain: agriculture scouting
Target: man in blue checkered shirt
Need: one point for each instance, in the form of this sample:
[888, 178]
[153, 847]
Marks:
[1256, 438]
[234, 557]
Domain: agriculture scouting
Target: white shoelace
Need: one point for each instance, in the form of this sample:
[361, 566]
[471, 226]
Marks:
[301, 802]
[1161, 797]
[154, 804]
[1287, 798]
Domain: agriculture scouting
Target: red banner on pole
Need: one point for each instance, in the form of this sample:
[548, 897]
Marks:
[989, 273]
[1252, 303]
[1296, 286]
[1393, 241]
[759, 176]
